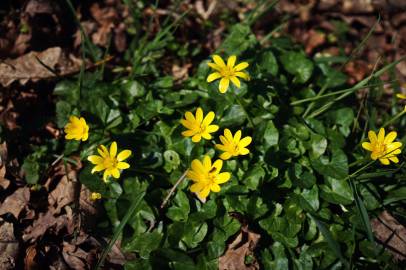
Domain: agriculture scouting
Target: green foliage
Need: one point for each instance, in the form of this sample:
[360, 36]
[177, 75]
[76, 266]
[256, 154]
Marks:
[294, 188]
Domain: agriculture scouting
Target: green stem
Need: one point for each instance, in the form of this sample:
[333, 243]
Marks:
[120, 228]
[360, 170]
[393, 119]
[237, 98]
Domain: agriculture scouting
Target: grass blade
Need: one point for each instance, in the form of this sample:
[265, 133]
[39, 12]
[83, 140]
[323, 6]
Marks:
[333, 244]
[120, 228]
[363, 211]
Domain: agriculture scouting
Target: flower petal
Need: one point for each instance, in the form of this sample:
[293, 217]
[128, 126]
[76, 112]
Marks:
[207, 163]
[123, 155]
[384, 161]
[199, 115]
[367, 146]
[123, 165]
[206, 135]
[372, 137]
[204, 193]
[213, 76]
[214, 66]
[241, 66]
[217, 165]
[228, 135]
[225, 156]
[231, 61]
[115, 173]
[215, 188]
[245, 141]
[98, 168]
[113, 149]
[95, 159]
[401, 96]
[243, 75]
[390, 137]
[197, 166]
[208, 119]
[196, 187]
[235, 81]
[224, 83]
[187, 124]
[197, 138]
[103, 151]
[219, 61]
[223, 177]
[394, 159]
[244, 151]
[106, 175]
[237, 136]
[188, 133]
[212, 128]
[381, 135]
[190, 117]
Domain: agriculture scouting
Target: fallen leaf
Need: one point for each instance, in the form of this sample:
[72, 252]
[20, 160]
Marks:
[4, 183]
[28, 67]
[48, 222]
[16, 202]
[390, 232]
[242, 246]
[64, 193]
[29, 260]
[8, 246]
[314, 39]
[75, 257]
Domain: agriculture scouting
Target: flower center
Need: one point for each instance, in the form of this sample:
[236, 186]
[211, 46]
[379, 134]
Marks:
[110, 163]
[202, 128]
[227, 72]
[380, 149]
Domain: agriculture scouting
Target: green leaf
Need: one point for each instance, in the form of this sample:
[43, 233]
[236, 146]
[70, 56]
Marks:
[238, 40]
[318, 145]
[31, 168]
[144, 244]
[180, 208]
[63, 110]
[194, 234]
[337, 191]
[336, 167]
[297, 64]
[271, 135]
[266, 63]
[253, 177]
[311, 196]
[278, 261]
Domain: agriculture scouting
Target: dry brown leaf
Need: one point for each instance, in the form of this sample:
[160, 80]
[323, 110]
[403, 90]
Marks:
[75, 257]
[64, 193]
[28, 68]
[314, 40]
[8, 246]
[243, 245]
[205, 13]
[389, 231]
[16, 202]
[29, 260]
[4, 183]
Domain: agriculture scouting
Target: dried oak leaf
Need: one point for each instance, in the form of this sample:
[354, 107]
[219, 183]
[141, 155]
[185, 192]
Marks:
[16, 202]
[243, 245]
[35, 66]
[75, 257]
[64, 193]
[4, 183]
[389, 231]
[47, 221]
[8, 246]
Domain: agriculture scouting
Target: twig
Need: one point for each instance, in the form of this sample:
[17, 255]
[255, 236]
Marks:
[173, 188]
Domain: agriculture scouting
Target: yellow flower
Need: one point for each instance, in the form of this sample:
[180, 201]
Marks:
[95, 196]
[206, 176]
[228, 72]
[401, 96]
[233, 146]
[197, 126]
[76, 129]
[109, 162]
[383, 147]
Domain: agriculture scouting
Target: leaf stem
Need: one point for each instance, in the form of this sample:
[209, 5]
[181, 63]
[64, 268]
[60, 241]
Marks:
[120, 228]
[237, 98]
[181, 178]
